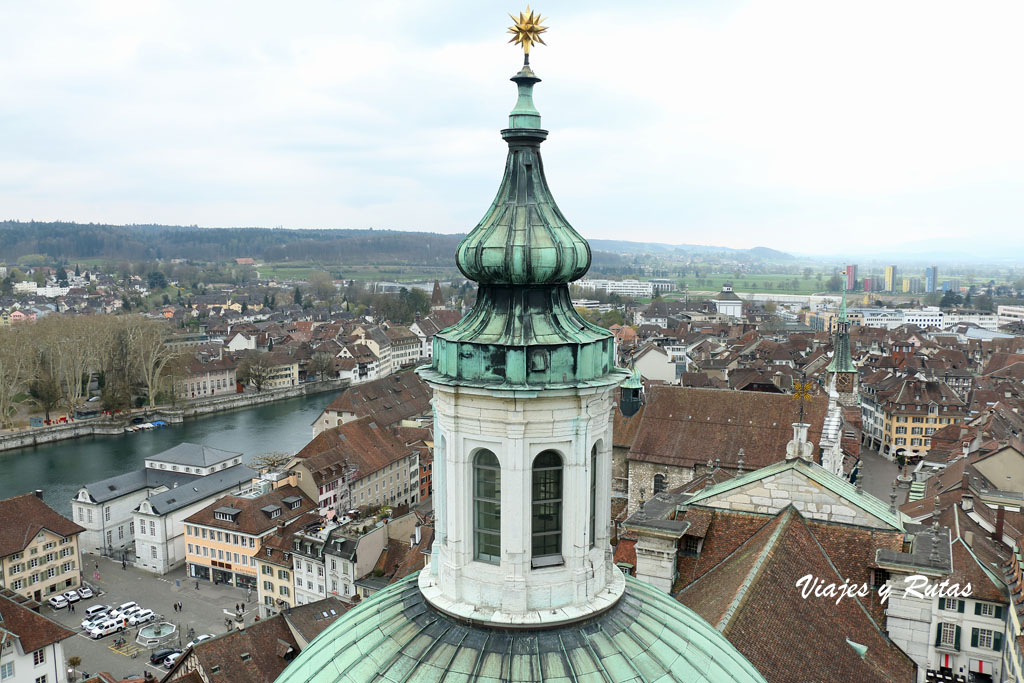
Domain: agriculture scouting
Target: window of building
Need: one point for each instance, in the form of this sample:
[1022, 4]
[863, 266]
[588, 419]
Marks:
[878, 578]
[949, 636]
[131, 528]
[80, 514]
[88, 514]
[41, 679]
[282, 574]
[985, 639]
[901, 430]
[268, 585]
[38, 657]
[486, 507]
[900, 441]
[152, 552]
[106, 514]
[6, 671]
[593, 496]
[987, 609]
[915, 442]
[660, 483]
[951, 605]
[284, 591]
[546, 530]
[916, 430]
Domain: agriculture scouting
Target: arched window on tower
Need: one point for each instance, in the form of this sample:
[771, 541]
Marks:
[659, 483]
[593, 496]
[486, 507]
[547, 509]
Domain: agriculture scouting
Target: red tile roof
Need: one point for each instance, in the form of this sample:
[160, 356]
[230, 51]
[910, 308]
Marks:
[684, 426]
[753, 592]
[24, 516]
[34, 630]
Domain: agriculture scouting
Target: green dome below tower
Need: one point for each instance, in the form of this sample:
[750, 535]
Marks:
[397, 636]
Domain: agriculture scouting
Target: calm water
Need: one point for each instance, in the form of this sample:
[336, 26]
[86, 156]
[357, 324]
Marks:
[59, 469]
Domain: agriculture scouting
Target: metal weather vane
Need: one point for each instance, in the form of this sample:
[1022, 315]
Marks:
[802, 391]
[526, 31]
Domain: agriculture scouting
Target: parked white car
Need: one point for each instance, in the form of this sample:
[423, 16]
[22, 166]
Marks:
[85, 592]
[105, 628]
[72, 596]
[143, 616]
[58, 602]
[96, 610]
[199, 639]
[171, 659]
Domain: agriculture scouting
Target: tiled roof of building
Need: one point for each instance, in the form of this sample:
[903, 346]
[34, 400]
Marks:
[682, 426]
[755, 590]
[253, 517]
[362, 445]
[33, 629]
[387, 400]
[195, 455]
[24, 516]
[309, 620]
[274, 546]
[198, 488]
[255, 654]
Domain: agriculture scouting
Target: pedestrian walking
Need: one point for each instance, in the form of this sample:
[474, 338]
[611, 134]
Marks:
[197, 585]
[180, 606]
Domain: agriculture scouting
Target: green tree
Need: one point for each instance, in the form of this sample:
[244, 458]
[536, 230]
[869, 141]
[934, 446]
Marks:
[297, 296]
[156, 280]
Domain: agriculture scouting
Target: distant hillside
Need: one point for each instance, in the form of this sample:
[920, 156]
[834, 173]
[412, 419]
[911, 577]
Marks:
[624, 247]
[70, 241]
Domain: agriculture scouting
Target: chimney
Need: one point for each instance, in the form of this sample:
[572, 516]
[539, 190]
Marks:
[799, 446]
[419, 536]
[39, 494]
[969, 538]
[279, 531]
[1000, 518]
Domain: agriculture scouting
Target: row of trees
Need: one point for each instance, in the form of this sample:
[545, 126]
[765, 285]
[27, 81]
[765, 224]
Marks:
[53, 361]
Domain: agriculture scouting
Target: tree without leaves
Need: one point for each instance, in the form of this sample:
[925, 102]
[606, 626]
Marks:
[149, 355]
[255, 369]
[44, 387]
[16, 366]
[320, 364]
[266, 462]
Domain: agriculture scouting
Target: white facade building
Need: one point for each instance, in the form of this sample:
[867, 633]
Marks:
[627, 288]
[1004, 314]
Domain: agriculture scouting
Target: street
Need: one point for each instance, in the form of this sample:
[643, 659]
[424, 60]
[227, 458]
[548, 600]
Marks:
[879, 474]
[203, 611]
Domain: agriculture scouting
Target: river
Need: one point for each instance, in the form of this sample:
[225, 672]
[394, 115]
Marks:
[61, 468]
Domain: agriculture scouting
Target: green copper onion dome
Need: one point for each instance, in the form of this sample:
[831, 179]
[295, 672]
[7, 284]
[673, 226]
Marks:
[523, 331]
[397, 636]
[523, 239]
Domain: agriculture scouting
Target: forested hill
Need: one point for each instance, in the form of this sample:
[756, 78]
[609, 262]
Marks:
[70, 241]
[67, 241]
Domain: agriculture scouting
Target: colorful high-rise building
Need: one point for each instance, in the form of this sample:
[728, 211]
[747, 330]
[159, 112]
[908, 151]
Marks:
[931, 276]
[868, 283]
[851, 278]
[890, 278]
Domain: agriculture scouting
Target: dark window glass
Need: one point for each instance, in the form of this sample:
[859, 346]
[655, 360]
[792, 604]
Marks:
[547, 509]
[486, 508]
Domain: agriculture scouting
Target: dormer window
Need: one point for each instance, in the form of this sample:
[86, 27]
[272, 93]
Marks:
[293, 502]
[272, 511]
[226, 514]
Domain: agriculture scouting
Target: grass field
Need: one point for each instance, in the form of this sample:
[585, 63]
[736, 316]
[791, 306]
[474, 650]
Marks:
[299, 271]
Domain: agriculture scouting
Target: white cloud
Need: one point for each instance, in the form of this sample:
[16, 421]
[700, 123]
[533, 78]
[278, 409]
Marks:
[793, 123]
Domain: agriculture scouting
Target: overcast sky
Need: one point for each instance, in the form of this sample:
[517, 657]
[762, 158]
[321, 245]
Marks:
[803, 125]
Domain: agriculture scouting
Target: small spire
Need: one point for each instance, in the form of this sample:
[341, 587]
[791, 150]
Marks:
[860, 476]
[892, 499]
[739, 463]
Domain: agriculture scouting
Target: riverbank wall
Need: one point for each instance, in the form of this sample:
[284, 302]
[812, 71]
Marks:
[34, 436]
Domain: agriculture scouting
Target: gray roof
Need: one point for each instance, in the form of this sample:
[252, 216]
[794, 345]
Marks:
[195, 455]
[199, 488]
[146, 478]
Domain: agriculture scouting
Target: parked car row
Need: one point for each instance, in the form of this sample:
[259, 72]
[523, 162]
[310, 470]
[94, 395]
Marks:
[170, 656]
[62, 600]
[102, 620]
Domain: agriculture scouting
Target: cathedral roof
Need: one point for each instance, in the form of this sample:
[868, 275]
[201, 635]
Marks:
[397, 635]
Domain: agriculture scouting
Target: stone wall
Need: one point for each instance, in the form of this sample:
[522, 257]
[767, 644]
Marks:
[814, 501]
[34, 436]
[641, 480]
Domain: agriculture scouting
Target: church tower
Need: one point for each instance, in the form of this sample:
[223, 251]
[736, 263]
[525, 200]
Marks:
[523, 399]
[520, 585]
[842, 373]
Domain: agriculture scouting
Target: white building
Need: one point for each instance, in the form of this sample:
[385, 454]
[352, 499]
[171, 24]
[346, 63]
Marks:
[159, 521]
[635, 289]
[1004, 314]
[106, 508]
[31, 646]
[728, 303]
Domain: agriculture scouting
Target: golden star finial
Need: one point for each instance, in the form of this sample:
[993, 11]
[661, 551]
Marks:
[527, 29]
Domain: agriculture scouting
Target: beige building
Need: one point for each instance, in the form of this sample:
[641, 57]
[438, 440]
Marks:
[274, 578]
[39, 552]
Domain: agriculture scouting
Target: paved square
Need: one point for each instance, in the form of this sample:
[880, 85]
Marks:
[203, 611]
